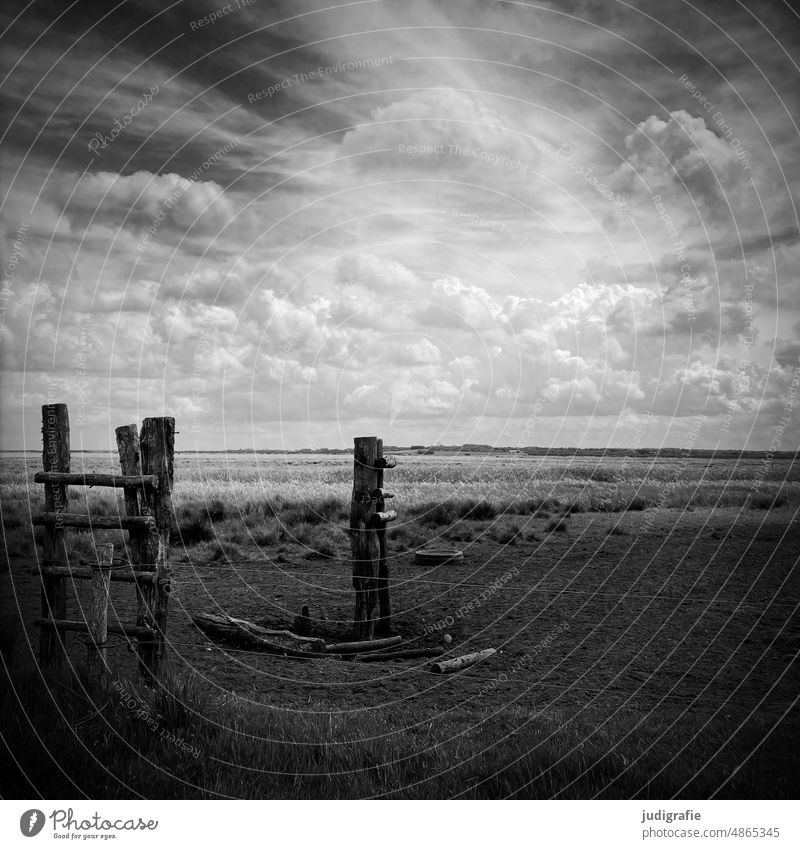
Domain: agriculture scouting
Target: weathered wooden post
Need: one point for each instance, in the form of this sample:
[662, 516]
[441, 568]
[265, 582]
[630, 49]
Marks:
[96, 655]
[157, 447]
[364, 540]
[384, 625]
[55, 458]
[130, 461]
[368, 537]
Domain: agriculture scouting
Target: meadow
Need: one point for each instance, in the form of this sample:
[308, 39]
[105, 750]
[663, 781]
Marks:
[647, 637]
[245, 500]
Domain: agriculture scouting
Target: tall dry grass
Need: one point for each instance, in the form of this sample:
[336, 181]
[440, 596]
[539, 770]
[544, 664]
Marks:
[267, 500]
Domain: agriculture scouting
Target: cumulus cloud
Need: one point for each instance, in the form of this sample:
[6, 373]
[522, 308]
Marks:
[666, 156]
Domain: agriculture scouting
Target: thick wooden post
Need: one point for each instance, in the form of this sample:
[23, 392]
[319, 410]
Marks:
[364, 538]
[96, 659]
[384, 624]
[55, 458]
[157, 446]
[130, 462]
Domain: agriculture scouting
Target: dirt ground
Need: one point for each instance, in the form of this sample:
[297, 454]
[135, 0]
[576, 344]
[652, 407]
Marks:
[687, 619]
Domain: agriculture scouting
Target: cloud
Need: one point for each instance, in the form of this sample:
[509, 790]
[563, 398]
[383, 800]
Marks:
[442, 133]
[666, 156]
[164, 202]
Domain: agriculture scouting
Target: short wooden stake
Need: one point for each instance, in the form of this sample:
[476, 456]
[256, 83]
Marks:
[96, 659]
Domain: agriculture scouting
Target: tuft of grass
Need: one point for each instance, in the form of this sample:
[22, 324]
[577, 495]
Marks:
[192, 526]
[558, 524]
[322, 511]
[637, 502]
[477, 510]
[216, 510]
[436, 513]
[767, 501]
[505, 534]
[316, 541]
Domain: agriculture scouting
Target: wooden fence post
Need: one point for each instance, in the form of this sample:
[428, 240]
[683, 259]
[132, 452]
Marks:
[364, 539]
[157, 446]
[130, 461]
[384, 625]
[55, 458]
[96, 655]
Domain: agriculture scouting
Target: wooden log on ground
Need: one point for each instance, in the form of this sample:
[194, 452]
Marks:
[128, 576]
[127, 630]
[363, 645]
[96, 655]
[406, 654]
[456, 663]
[313, 643]
[363, 536]
[96, 479]
[55, 458]
[243, 631]
[97, 523]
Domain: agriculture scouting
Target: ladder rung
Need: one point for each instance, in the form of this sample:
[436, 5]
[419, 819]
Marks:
[99, 523]
[123, 628]
[96, 479]
[115, 574]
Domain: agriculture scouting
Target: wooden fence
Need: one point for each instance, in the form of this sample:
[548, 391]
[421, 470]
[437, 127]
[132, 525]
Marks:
[146, 462]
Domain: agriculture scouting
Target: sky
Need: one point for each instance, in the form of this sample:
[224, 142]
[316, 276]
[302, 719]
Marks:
[290, 224]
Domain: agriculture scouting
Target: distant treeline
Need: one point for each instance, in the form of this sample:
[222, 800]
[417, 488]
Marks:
[530, 451]
[536, 451]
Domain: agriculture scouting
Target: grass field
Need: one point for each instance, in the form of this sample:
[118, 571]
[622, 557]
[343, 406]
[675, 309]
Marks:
[237, 500]
[647, 636]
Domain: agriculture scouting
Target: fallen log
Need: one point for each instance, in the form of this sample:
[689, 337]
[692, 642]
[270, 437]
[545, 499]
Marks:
[243, 631]
[317, 643]
[456, 663]
[406, 654]
[363, 645]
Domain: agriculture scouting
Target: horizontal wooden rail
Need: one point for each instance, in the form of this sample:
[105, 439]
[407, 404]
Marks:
[116, 574]
[383, 516]
[98, 523]
[113, 627]
[94, 479]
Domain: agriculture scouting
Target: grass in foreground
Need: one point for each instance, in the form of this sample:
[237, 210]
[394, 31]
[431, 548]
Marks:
[179, 742]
